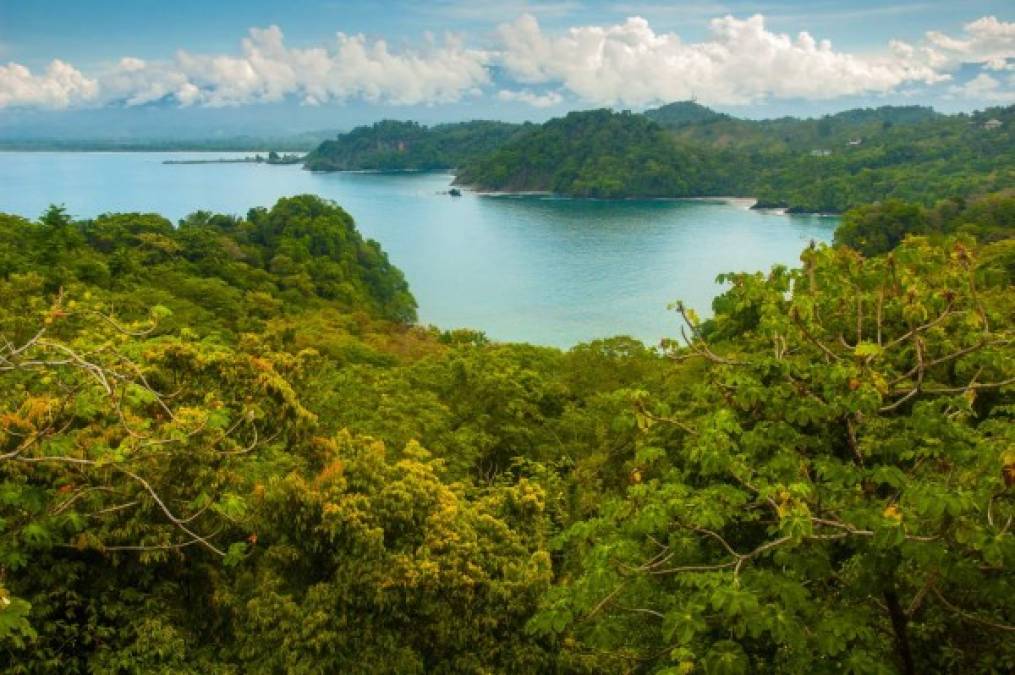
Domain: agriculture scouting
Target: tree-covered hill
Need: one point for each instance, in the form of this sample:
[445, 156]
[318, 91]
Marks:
[683, 113]
[223, 450]
[826, 165]
[597, 153]
[786, 134]
[302, 252]
[873, 229]
[403, 146]
[955, 156]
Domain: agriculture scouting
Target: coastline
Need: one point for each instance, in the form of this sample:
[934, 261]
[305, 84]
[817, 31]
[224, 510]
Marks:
[744, 203]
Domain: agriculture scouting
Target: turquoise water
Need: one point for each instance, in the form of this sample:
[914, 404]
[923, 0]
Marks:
[535, 269]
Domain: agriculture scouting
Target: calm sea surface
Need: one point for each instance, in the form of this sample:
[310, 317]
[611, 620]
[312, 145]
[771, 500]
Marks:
[543, 270]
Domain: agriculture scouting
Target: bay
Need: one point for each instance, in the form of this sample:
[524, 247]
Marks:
[523, 268]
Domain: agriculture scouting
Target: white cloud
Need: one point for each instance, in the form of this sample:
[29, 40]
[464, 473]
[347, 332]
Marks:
[985, 40]
[546, 100]
[627, 63]
[136, 82]
[371, 71]
[984, 87]
[631, 64]
[59, 86]
[267, 70]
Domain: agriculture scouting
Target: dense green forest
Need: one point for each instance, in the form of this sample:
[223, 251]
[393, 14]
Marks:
[684, 113]
[598, 153]
[225, 447]
[408, 146]
[878, 228]
[919, 161]
[829, 164]
[694, 122]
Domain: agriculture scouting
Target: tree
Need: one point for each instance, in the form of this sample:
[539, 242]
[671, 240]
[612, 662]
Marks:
[365, 560]
[878, 228]
[120, 445]
[842, 472]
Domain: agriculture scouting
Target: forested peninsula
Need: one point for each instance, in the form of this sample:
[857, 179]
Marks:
[408, 146]
[829, 164]
[226, 446]
[825, 165]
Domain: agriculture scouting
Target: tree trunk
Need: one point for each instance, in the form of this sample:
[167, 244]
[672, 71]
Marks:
[899, 621]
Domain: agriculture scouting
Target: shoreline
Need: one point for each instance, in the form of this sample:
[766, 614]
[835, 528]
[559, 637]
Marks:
[744, 203]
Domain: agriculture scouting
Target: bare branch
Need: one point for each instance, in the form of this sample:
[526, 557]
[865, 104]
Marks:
[927, 326]
[969, 387]
[169, 514]
[920, 370]
[971, 617]
[605, 601]
[665, 420]
[813, 340]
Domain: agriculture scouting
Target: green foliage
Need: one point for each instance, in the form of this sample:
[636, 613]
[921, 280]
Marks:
[223, 448]
[922, 161]
[683, 113]
[832, 494]
[194, 483]
[878, 228]
[428, 578]
[216, 272]
[597, 153]
[408, 146]
[829, 164]
[697, 123]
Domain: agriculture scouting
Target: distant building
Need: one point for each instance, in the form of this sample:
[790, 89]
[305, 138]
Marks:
[992, 124]
[855, 141]
[820, 153]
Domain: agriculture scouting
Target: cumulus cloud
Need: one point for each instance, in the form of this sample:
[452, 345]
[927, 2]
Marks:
[985, 40]
[59, 86]
[743, 61]
[136, 82]
[627, 63]
[267, 70]
[546, 100]
[985, 87]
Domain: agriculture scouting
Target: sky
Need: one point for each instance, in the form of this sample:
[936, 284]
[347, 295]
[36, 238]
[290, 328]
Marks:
[261, 65]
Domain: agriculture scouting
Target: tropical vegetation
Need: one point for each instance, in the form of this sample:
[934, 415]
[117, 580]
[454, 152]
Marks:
[390, 145]
[225, 446]
[829, 164]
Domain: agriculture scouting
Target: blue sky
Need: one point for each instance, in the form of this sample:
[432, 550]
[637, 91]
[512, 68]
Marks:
[89, 31]
[513, 59]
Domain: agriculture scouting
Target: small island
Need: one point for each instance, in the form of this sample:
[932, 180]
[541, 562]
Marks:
[271, 158]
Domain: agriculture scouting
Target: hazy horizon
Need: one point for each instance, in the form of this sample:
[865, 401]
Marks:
[250, 69]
